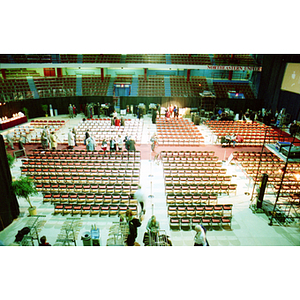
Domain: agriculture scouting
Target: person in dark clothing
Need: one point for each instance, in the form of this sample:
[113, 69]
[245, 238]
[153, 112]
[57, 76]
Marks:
[43, 241]
[131, 145]
[294, 128]
[154, 115]
[133, 224]
[87, 135]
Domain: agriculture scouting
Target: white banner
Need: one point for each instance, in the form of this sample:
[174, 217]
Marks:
[234, 68]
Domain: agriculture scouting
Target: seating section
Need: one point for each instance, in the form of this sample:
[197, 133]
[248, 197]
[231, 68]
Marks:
[80, 181]
[55, 86]
[181, 88]
[17, 73]
[253, 134]
[236, 60]
[145, 58]
[223, 88]
[94, 86]
[191, 59]
[101, 58]
[25, 58]
[179, 132]
[102, 129]
[15, 89]
[192, 190]
[154, 86]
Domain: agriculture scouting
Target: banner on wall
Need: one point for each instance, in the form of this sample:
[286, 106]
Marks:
[234, 68]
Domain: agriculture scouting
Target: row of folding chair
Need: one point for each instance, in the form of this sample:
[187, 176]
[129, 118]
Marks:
[275, 164]
[93, 170]
[182, 170]
[192, 199]
[192, 165]
[224, 188]
[93, 210]
[190, 159]
[186, 153]
[99, 158]
[67, 152]
[88, 198]
[200, 210]
[188, 223]
[83, 181]
[194, 179]
[87, 188]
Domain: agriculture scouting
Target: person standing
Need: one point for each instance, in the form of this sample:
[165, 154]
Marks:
[120, 143]
[70, 111]
[175, 110]
[71, 139]
[122, 121]
[131, 145]
[158, 109]
[74, 111]
[45, 138]
[153, 228]
[154, 115]
[133, 224]
[90, 144]
[112, 144]
[104, 145]
[74, 133]
[53, 141]
[200, 237]
[9, 139]
[87, 135]
[140, 196]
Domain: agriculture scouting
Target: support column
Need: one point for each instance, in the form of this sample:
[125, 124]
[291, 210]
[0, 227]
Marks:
[3, 73]
[102, 74]
[59, 72]
[145, 74]
[188, 75]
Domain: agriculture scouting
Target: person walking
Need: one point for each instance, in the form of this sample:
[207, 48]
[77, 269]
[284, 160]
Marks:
[200, 237]
[133, 224]
[140, 196]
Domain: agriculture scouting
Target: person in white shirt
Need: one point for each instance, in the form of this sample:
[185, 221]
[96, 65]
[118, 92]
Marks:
[200, 237]
[140, 196]
[71, 141]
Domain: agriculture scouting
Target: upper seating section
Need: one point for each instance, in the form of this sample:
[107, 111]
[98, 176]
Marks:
[56, 86]
[17, 73]
[94, 86]
[25, 58]
[236, 60]
[153, 86]
[223, 88]
[181, 88]
[146, 58]
[15, 88]
[193, 59]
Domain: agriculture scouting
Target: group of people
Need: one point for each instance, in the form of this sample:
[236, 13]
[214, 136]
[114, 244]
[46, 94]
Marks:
[228, 139]
[72, 111]
[48, 139]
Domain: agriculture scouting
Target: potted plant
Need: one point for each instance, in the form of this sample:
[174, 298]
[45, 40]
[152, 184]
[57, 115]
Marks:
[26, 113]
[24, 187]
[10, 159]
[45, 109]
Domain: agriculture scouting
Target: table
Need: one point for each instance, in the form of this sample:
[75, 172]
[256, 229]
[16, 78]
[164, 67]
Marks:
[12, 122]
